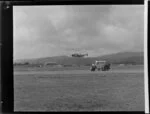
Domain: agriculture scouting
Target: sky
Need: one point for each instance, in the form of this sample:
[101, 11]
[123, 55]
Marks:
[45, 31]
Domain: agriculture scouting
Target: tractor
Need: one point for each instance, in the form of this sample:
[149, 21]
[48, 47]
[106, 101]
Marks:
[100, 66]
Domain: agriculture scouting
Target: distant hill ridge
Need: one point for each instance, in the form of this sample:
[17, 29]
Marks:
[117, 58]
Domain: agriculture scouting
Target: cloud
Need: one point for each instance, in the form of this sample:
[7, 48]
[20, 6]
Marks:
[98, 29]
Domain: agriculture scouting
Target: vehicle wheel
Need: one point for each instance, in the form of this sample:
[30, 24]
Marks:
[103, 69]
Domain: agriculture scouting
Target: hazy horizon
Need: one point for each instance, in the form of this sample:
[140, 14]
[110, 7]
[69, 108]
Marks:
[46, 31]
[73, 57]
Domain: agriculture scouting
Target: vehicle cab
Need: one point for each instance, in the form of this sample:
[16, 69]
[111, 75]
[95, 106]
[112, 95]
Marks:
[100, 64]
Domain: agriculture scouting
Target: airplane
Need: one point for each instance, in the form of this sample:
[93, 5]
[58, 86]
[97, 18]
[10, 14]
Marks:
[79, 55]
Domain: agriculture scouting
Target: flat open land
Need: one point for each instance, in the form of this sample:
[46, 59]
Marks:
[79, 89]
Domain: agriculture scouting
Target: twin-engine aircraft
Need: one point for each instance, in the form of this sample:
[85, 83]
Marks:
[79, 53]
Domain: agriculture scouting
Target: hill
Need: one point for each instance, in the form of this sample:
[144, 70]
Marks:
[125, 58]
[117, 58]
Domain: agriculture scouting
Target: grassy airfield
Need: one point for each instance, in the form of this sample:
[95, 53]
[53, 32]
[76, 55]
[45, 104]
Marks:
[79, 89]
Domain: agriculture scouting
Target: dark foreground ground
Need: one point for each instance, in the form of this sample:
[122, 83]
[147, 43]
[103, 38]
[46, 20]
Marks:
[120, 89]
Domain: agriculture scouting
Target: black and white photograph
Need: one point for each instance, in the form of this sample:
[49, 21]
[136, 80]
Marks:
[78, 58]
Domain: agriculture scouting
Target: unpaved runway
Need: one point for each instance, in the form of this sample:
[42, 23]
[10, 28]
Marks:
[79, 90]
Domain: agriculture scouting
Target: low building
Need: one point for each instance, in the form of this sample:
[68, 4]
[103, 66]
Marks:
[121, 64]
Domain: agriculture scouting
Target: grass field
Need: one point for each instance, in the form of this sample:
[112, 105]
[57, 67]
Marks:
[78, 89]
